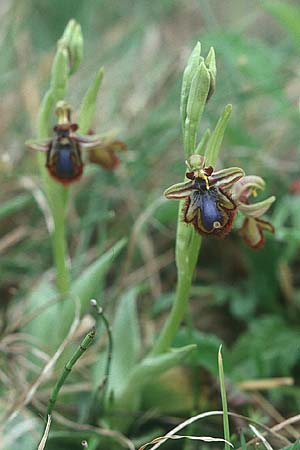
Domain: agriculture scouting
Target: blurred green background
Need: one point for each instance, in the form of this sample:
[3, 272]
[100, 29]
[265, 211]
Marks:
[248, 300]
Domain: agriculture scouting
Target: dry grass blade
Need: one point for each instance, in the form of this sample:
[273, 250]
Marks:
[287, 422]
[45, 435]
[192, 438]
[183, 425]
[272, 412]
[261, 437]
[216, 413]
[13, 237]
[40, 199]
[266, 383]
[137, 228]
[116, 435]
[21, 322]
[15, 408]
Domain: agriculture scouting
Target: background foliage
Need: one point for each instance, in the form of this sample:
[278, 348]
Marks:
[249, 301]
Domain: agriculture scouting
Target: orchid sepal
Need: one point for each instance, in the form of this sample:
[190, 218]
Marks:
[225, 178]
[247, 186]
[179, 190]
[252, 232]
[256, 210]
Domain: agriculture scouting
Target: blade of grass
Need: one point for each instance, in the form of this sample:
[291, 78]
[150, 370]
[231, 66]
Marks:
[224, 400]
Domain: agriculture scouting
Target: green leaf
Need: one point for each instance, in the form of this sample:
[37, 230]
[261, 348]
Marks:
[88, 106]
[85, 287]
[126, 342]
[294, 446]
[153, 366]
[262, 351]
[206, 352]
[14, 204]
[145, 372]
[216, 138]
[41, 326]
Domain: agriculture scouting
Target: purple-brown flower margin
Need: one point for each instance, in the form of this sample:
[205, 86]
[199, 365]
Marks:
[253, 227]
[208, 203]
[213, 198]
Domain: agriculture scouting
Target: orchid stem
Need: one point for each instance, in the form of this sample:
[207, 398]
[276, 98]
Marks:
[195, 88]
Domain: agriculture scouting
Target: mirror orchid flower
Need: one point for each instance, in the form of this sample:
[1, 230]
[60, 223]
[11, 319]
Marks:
[208, 205]
[212, 199]
[253, 227]
[64, 150]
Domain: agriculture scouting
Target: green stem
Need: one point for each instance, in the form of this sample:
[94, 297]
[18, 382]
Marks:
[68, 53]
[67, 369]
[59, 246]
[198, 81]
[175, 317]
[187, 249]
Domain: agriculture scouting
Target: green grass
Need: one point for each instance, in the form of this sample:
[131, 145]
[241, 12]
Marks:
[248, 301]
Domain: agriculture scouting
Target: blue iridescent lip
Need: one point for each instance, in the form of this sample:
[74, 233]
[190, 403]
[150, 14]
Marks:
[206, 202]
[64, 163]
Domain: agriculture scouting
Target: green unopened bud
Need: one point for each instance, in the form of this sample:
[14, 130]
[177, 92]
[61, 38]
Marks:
[210, 63]
[72, 40]
[193, 63]
[195, 106]
[198, 85]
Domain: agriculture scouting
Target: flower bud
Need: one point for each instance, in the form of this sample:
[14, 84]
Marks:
[72, 40]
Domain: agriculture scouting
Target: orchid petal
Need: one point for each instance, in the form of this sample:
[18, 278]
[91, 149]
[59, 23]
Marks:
[104, 155]
[226, 177]
[245, 186]
[40, 146]
[210, 212]
[88, 141]
[252, 232]
[256, 209]
[180, 190]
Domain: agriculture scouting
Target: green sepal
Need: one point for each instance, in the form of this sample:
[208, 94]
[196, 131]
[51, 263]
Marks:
[88, 105]
[216, 138]
[195, 107]
[200, 149]
[189, 72]
[72, 41]
[210, 63]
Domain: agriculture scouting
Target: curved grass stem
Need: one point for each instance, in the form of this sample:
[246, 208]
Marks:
[67, 369]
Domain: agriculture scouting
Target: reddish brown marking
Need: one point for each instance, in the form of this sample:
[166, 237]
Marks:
[65, 181]
[219, 232]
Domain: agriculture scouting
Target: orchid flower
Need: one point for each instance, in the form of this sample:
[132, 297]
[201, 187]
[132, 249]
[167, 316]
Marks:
[208, 203]
[253, 227]
[64, 149]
